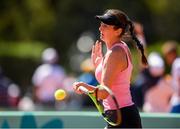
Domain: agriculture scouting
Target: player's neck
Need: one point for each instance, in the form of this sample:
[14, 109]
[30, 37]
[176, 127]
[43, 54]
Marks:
[111, 44]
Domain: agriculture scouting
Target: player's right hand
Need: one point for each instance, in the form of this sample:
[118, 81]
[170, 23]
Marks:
[76, 86]
[96, 54]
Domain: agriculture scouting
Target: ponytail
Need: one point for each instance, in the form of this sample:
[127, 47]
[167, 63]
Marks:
[138, 44]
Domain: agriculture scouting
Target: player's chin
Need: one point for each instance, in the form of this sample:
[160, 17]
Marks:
[102, 38]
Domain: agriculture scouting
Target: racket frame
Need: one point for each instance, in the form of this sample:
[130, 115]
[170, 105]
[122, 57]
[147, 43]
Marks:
[93, 95]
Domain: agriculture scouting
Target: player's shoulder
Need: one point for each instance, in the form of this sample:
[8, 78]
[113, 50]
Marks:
[118, 50]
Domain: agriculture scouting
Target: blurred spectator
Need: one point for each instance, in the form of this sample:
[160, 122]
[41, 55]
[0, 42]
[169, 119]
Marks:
[48, 77]
[170, 53]
[26, 104]
[88, 72]
[88, 77]
[175, 101]
[157, 98]
[9, 92]
[147, 78]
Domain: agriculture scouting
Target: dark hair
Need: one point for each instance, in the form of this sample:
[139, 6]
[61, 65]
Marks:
[128, 26]
[138, 43]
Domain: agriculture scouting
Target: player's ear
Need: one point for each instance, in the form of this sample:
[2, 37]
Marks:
[118, 31]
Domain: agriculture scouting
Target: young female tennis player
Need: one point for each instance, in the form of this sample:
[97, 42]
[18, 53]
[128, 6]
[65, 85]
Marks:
[114, 68]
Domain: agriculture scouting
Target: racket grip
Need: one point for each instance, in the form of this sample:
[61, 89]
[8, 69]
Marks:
[83, 89]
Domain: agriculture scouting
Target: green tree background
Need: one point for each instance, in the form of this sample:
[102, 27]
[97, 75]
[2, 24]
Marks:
[29, 26]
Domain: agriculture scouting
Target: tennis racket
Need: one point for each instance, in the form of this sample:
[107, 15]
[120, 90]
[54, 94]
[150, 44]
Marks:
[99, 105]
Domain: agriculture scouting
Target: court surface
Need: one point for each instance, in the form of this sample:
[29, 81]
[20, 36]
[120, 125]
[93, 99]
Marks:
[78, 119]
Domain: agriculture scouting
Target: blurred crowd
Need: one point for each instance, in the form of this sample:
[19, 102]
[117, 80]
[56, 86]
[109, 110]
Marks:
[156, 88]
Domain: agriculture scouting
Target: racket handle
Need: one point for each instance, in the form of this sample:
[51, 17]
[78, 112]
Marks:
[83, 89]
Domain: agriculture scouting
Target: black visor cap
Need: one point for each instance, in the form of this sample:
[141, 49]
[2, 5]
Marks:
[109, 20]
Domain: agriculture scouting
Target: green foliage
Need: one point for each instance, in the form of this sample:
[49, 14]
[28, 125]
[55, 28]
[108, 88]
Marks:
[26, 20]
[24, 50]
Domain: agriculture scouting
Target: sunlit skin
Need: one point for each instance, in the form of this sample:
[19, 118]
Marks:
[114, 62]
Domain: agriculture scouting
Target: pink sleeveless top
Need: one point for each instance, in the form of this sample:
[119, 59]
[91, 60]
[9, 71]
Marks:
[121, 85]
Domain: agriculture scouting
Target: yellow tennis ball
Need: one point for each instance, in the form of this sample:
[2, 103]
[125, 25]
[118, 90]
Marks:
[60, 94]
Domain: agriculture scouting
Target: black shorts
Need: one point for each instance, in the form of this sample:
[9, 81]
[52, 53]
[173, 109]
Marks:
[130, 117]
